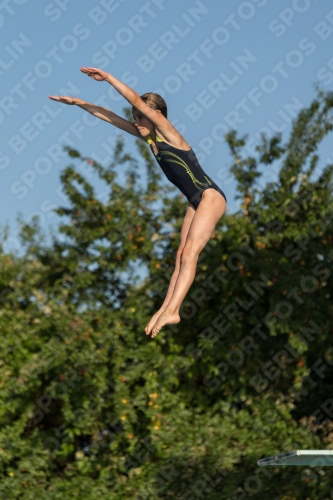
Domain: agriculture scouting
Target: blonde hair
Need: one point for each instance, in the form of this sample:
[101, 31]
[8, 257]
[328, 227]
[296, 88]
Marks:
[155, 101]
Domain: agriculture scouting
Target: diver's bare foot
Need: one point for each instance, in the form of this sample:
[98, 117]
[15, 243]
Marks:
[166, 318]
[153, 320]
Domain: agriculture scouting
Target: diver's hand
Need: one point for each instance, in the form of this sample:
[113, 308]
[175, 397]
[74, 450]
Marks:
[65, 99]
[95, 73]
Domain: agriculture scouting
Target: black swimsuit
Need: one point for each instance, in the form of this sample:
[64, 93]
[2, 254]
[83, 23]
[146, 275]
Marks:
[183, 169]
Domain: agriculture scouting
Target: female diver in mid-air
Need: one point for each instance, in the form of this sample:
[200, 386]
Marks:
[207, 202]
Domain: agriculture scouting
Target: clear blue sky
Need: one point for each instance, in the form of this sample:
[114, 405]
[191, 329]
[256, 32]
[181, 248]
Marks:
[219, 65]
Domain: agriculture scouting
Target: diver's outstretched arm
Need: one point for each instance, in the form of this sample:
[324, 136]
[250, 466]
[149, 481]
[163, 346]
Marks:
[161, 123]
[102, 113]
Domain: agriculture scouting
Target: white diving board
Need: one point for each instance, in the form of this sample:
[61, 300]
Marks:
[315, 458]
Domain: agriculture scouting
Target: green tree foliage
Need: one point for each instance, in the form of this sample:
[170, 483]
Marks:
[91, 407]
